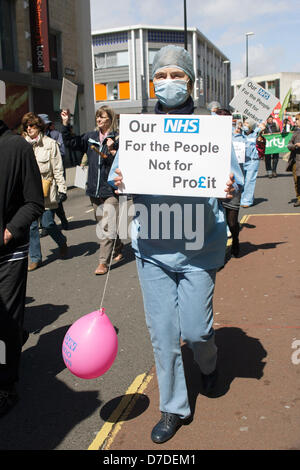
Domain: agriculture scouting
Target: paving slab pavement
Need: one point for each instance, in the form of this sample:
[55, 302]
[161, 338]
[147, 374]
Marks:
[257, 325]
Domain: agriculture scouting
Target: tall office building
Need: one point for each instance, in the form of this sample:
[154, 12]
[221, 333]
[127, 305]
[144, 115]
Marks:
[123, 60]
[42, 41]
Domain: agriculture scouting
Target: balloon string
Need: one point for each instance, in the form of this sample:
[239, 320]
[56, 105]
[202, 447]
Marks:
[111, 256]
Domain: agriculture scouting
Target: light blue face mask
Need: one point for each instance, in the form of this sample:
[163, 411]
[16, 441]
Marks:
[171, 92]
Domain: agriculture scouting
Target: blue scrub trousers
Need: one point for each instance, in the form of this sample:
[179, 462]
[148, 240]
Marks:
[178, 305]
[250, 172]
[47, 222]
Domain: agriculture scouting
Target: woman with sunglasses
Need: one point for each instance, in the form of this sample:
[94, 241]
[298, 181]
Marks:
[50, 164]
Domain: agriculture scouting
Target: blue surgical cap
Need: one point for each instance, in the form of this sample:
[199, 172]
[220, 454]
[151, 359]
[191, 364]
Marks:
[173, 56]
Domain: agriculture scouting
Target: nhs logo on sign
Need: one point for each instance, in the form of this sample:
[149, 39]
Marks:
[180, 126]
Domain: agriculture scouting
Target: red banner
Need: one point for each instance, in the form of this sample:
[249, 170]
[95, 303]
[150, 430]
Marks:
[39, 35]
[275, 115]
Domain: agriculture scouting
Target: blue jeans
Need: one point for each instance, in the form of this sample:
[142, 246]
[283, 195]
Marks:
[178, 305]
[47, 222]
[250, 172]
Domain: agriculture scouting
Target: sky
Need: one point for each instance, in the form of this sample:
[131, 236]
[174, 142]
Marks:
[273, 48]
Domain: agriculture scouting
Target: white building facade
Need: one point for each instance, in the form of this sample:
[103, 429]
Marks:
[123, 60]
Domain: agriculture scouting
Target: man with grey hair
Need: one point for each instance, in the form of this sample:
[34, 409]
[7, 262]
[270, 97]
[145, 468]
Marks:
[178, 281]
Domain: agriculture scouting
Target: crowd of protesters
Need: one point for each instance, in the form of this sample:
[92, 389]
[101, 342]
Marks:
[33, 188]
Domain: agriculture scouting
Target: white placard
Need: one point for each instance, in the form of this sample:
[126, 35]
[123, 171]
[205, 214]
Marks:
[176, 155]
[68, 95]
[2, 92]
[240, 151]
[254, 102]
[81, 177]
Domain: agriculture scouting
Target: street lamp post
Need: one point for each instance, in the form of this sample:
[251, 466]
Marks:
[226, 62]
[247, 34]
[185, 27]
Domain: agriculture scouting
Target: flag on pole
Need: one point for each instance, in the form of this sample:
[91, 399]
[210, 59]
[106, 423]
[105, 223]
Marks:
[275, 115]
[285, 104]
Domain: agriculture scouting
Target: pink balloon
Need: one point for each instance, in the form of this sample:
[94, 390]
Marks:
[90, 345]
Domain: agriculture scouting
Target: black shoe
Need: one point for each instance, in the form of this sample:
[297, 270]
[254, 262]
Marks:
[8, 399]
[297, 204]
[63, 251]
[166, 427]
[25, 336]
[209, 382]
[65, 225]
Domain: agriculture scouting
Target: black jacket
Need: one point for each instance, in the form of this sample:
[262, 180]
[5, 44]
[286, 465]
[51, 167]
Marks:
[21, 194]
[271, 128]
[99, 168]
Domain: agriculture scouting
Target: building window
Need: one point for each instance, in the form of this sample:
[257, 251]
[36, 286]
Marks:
[151, 90]
[113, 38]
[151, 54]
[99, 61]
[112, 91]
[8, 51]
[100, 92]
[273, 87]
[124, 91]
[166, 36]
[111, 59]
[17, 104]
[55, 55]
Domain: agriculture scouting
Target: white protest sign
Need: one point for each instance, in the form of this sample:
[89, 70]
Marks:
[175, 155]
[68, 95]
[240, 151]
[2, 93]
[81, 177]
[254, 102]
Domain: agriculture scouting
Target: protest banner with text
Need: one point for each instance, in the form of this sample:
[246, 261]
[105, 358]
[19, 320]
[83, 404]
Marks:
[254, 102]
[175, 155]
[68, 95]
[277, 143]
